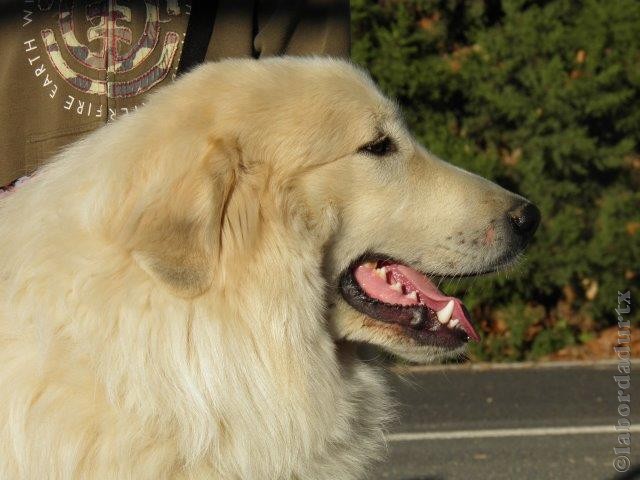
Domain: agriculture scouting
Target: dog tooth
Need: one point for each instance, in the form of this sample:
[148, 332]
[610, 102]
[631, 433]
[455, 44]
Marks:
[412, 296]
[453, 323]
[371, 265]
[397, 286]
[445, 313]
[382, 273]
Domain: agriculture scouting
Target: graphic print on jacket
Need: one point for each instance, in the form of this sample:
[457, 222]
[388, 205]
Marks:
[88, 55]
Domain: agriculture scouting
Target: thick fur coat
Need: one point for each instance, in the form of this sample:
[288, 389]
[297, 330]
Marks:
[168, 302]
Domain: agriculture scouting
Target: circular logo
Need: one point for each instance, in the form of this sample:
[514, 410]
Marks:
[90, 46]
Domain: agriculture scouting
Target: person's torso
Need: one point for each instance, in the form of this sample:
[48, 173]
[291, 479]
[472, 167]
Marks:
[69, 66]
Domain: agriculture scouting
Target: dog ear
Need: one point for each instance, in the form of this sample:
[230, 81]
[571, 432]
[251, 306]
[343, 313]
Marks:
[176, 256]
[177, 239]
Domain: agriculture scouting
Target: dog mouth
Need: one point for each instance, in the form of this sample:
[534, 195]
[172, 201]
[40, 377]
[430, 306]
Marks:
[398, 295]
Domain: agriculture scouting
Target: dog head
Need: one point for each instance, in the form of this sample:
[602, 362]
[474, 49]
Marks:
[253, 168]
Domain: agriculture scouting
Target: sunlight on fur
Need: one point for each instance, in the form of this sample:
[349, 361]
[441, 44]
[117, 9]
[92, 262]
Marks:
[168, 286]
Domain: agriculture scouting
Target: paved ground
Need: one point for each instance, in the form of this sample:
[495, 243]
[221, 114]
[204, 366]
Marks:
[507, 423]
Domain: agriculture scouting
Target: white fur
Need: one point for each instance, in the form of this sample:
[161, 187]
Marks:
[166, 284]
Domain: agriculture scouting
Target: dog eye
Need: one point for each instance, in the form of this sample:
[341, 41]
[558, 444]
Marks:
[381, 147]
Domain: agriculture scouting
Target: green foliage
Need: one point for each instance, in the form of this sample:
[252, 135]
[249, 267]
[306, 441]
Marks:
[544, 98]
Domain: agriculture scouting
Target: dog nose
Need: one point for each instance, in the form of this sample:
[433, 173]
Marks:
[524, 219]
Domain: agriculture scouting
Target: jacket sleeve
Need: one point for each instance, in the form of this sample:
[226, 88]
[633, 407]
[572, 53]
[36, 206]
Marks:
[262, 28]
[311, 27]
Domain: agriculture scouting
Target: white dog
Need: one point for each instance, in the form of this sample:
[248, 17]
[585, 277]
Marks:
[181, 291]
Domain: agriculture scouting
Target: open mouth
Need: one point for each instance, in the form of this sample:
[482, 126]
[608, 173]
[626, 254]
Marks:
[397, 294]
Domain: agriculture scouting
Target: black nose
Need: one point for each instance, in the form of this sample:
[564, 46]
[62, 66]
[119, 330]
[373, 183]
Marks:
[524, 219]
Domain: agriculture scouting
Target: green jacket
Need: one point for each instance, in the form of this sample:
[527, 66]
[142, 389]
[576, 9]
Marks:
[67, 67]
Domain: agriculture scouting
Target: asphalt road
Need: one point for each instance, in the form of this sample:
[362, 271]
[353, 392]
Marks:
[532, 422]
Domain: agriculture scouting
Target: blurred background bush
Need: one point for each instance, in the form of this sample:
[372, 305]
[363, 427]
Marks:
[544, 98]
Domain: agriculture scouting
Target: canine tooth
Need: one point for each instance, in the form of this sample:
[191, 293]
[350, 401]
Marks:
[445, 314]
[382, 273]
[397, 286]
[412, 296]
[371, 265]
[453, 323]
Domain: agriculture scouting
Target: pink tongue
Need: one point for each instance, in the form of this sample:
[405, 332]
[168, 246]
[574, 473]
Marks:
[377, 287]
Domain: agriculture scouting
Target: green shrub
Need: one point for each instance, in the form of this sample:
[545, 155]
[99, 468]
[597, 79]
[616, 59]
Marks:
[544, 98]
